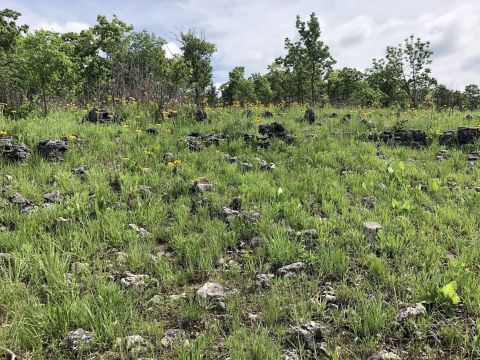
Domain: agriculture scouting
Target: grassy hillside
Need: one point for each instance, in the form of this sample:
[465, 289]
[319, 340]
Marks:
[64, 274]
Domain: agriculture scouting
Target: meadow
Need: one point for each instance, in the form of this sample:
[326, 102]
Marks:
[75, 259]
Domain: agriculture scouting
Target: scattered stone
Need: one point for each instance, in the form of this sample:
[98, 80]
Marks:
[78, 267]
[168, 156]
[291, 354]
[246, 166]
[266, 166]
[267, 115]
[256, 242]
[415, 138]
[139, 230]
[310, 234]
[52, 197]
[81, 171]
[384, 355]
[171, 336]
[101, 116]
[152, 131]
[274, 129]
[79, 340]
[121, 256]
[370, 229]
[25, 204]
[136, 344]
[247, 113]
[411, 312]
[229, 214]
[309, 115]
[9, 177]
[116, 185]
[201, 115]
[333, 115]
[145, 191]
[201, 185]
[346, 118]
[52, 150]
[14, 152]
[443, 155]
[461, 136]
[368, 123]
[292, 269]
[262, 281]
[63, 222]
[132, 280]
[211, 291]
[236, 203]
[310, 335]
[477, 188]
[231, 159]
[6, 259]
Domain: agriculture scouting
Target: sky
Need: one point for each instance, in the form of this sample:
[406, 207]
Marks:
[251, 33]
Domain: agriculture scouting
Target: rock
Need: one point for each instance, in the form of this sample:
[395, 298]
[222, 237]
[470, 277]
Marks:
[78, 267]
[132, 280]
[246, 166]
[292, 269]
[171, 336]
[201, 115]
[291, 354]
[236, 203]
[101, 116]
[247, 113]
[25, 204]
[52, 197]
[211, 291]
[63, 222]
[14, 152]
[136, 344]
[121, 256]
[310, 335]
[368, 123]
[346, 118]
[145, 191]
[384, 355]
[139, 230]
[52, 150]
[414, 138]
[229, 214]
[231, 159]
[310, 234]
[477, 188]
[443, 155]
[411, 312]
[267, 115]
[81, 171]
[461, 136]
[255, 242]
[274, 129]
[265, 166]
[214, 139]
[262, 281]
[152, 131]
[79, 340]
[309, 115]
[370, 229]
[201, 185]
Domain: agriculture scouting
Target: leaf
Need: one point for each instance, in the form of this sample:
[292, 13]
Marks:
[401, 165]
[433, 185]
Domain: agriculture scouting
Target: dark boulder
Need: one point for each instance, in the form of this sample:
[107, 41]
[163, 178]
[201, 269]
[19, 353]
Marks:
[461, 136]
[309, 115]
[413, 138]
[52, 150]
[101, 116]
[200, 115]
[247, 113]
[267, 115]
[152, 131]
[13, 152]
[274, 129]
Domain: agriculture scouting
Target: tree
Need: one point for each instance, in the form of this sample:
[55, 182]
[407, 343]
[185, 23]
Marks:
[408, 64]
[197, 53]
[308, 58]
[262, 88]
[10, 76]
[49, 68]
[472, 97]
[237, 88]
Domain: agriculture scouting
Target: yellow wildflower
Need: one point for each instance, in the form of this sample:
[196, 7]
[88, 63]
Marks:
[138, 131]
[125, 158]
[125, 126]
[72, 137]
[3, 133]
[170, 164]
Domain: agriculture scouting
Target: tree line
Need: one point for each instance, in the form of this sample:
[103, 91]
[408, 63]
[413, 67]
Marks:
[110, 62]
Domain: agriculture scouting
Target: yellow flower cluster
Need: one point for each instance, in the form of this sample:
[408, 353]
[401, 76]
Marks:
[174, 164]
[3, 133]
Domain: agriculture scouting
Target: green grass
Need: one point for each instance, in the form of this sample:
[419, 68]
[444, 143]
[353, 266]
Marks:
[332, 181]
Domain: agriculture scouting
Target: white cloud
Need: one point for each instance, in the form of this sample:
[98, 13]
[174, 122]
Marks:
[171, 49]
[70, 26]
[251, 33]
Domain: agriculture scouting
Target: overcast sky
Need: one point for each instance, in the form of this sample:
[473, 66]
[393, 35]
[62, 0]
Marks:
[251, 33]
